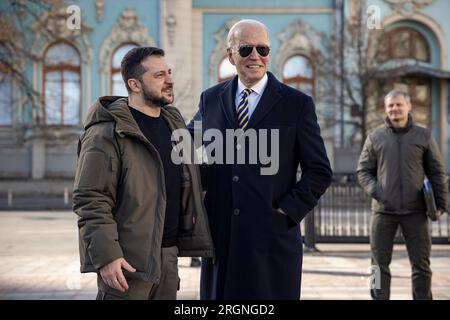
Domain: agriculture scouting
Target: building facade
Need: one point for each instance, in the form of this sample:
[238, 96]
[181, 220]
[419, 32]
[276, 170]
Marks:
[73, 48]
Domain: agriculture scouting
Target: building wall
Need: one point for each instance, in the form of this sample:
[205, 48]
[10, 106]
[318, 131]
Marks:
[193, 32]
[23, 155]
[432, 21]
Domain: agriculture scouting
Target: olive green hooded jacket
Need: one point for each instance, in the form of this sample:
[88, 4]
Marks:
[119, 194]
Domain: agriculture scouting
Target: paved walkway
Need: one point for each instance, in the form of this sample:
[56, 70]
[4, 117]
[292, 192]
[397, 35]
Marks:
[39, 260]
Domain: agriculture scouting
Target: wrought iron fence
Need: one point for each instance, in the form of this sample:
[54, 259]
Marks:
[343, 215]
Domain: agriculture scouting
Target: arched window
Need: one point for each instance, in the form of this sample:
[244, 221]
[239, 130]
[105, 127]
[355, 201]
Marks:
[118, 87]
[406, 43]
[226, 70]
[62, 85]
[5, 86]
[403, 43]
[299, 73]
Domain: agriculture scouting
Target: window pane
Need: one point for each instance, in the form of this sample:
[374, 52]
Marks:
[62, 53]
[53, 98]
[53, 76]
[405, 43]
[62, 87]
[71, 76]
[401, 43]
[402, 86]
[120, 53]
[5, 99]
[5, 86]
[71, 103]
[297, 66]
[118, 86]
[420, 94]
[226, 69]
[421, 50]
[421, 115]
[382, 53]
[71, 98]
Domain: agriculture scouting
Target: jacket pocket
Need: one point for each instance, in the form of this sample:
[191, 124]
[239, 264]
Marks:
[384, 199]
[379, 192]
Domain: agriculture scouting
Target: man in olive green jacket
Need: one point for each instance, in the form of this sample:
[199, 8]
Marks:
[137, 209]
[392, 167]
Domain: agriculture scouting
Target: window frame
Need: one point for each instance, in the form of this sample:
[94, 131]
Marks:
[300, 79]
[219, 79]
[113, 70]
[61, 68]
[414, 36]
[4, 69]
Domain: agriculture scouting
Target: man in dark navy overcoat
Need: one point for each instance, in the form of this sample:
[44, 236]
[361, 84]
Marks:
[255, 214]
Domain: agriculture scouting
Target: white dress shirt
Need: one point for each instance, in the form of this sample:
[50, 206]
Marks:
[254, 97]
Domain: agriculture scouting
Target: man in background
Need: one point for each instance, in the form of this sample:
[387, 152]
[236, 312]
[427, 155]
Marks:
[393, 164]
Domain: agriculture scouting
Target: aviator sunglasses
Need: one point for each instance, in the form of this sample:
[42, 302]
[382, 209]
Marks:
[245, 51]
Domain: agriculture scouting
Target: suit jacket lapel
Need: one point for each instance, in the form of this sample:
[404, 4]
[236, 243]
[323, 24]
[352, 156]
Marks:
[271, 95]
[227, 101]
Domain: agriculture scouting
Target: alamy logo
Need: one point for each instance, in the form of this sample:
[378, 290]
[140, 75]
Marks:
[373, 17]
[234, 147]
[73, 22]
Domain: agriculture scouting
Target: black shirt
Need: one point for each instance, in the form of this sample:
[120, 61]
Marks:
[158, 133]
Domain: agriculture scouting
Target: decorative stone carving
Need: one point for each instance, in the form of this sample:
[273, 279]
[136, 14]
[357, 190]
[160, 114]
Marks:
[52, 26]
[171, 23]
[297, 38]
[99, 10]
[21, 8]
[220, 51]
[405, 6]
[7, 30]
[127, 29]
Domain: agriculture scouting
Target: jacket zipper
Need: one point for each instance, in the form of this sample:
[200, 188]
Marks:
[151, 148]
[400, 171]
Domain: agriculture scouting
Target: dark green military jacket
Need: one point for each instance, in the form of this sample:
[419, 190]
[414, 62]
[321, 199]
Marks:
[393, 165]
[119, 194]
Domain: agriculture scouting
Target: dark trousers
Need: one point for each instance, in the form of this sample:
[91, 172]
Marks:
[165, 289]
[416, 232]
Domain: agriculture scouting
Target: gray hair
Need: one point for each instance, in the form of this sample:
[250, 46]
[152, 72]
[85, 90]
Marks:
[232, 33]
[395, 93]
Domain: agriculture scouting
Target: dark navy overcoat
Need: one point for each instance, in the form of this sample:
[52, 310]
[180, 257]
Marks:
[259, 250]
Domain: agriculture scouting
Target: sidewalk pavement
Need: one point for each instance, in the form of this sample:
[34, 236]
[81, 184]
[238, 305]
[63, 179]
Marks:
[39, 260]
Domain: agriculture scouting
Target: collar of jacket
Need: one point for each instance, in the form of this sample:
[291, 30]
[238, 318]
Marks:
[110, 108]
[408, 126]
[125, 123]
[270, 96]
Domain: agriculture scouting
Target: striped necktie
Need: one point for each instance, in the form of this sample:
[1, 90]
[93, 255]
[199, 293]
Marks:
[242, 110]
